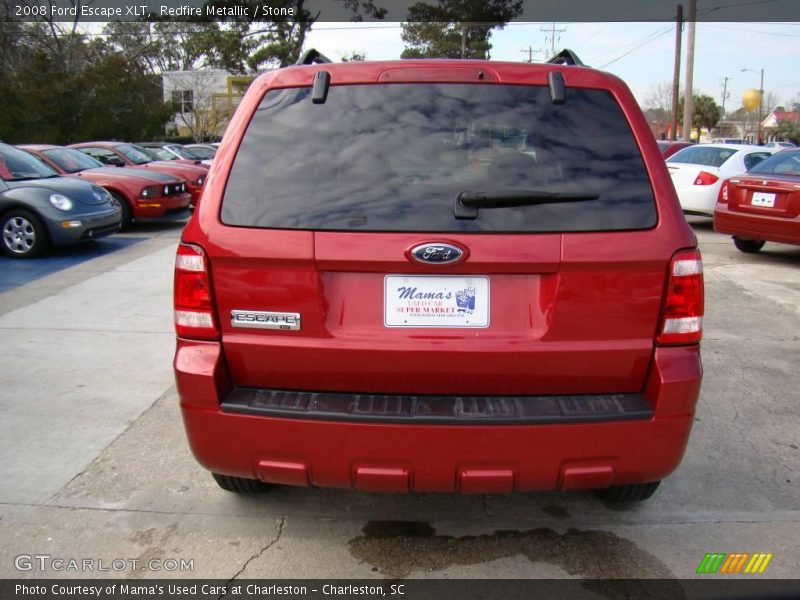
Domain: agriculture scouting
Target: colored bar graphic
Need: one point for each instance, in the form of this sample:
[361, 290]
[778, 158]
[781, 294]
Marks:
[758, 563]
[711, 562]
[734, 563]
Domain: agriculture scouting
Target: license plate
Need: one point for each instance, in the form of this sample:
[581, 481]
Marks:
[763, 199]
[435, 301]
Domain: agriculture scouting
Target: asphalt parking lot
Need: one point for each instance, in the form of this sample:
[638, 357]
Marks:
[95, 463]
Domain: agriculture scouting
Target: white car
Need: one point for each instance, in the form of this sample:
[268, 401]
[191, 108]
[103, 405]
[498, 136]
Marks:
[698, 172]
[779, 145]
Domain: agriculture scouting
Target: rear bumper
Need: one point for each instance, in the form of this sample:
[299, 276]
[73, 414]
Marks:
[430, 457]
[756, 227]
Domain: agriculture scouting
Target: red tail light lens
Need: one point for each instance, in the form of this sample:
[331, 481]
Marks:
[723, 193]
[194, 307]
[682, 310]
[706, 178]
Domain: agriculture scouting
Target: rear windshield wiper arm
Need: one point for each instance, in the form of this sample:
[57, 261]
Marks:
[468, 203]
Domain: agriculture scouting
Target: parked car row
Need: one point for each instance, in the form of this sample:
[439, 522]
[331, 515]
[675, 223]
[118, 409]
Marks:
[57, 195]
[751, 192]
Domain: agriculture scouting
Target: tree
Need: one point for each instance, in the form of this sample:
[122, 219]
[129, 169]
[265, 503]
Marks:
[706, 113]
[786, 130]
[455, 28]
[659, 97]
[354, 56]
[208, 110]
[770, 103]
[56, 86]
[277, 41]
[167, 45]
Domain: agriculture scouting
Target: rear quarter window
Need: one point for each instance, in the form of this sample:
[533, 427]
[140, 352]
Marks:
[395, 157]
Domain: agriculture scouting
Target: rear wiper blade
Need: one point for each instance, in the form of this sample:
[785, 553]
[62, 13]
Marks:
[468, 203]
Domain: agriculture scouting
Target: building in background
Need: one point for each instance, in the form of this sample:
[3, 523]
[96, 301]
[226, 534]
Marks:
[205, 101]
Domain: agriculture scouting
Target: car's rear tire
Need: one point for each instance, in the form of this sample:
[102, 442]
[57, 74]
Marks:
[127, 214]
[240, 485]
[628, 493]
[749, 246]
[23, 235]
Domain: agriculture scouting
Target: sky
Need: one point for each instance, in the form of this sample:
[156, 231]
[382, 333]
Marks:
[642, 54]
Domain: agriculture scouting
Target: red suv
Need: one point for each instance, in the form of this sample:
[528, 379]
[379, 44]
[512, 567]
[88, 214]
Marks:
[439, 276]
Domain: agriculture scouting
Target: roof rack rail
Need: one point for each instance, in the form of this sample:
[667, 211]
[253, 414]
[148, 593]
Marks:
[565, 57]
[311, 56]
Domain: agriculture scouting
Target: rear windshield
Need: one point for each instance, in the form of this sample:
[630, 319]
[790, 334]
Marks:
[395, 158]
[782, 163]
[703, 155]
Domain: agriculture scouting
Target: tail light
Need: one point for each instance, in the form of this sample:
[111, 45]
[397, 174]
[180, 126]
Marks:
[194, 306]
[706, 178]
[682, 310]
[723, 193]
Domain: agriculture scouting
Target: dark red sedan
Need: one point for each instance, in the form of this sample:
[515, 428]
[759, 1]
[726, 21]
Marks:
[143, 195]
[669, 148]
[762, 205]
[121, 154]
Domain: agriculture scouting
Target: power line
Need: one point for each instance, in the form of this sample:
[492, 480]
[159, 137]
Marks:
[651, 38]
[770, 33]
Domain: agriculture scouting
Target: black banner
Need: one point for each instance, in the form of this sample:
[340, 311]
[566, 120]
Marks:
[713, 588]
[393, 10]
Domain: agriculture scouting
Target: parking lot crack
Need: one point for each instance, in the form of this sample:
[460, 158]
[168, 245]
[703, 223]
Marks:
[256, 555]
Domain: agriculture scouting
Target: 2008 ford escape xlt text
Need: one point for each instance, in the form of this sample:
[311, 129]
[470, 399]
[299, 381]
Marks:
[439, 276]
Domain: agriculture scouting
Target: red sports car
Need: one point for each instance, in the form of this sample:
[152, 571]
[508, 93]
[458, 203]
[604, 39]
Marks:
[143, 195]
[121, 154]
[762, 205]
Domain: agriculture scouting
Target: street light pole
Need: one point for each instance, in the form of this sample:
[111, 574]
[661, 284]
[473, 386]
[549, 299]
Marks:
[760, 101]
[760, 105]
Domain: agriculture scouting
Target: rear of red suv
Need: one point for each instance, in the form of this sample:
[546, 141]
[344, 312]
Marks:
[439, 276]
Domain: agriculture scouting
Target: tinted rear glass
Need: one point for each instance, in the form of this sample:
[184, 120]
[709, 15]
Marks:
[703, 155]
[394, 158]
[782, 163]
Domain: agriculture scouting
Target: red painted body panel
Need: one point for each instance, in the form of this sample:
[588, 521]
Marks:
[571, 313]
[739, 217]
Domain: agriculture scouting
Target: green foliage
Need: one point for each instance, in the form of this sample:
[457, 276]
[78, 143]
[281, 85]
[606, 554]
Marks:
[455, 28]
[706, 113]
[354, 57]
[786, 130]
[73, 89]
[58, 86]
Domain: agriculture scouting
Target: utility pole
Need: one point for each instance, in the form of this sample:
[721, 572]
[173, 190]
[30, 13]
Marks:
[529, 51]
[552, 31]
[725, 94]
[688, 100]
[676, 73]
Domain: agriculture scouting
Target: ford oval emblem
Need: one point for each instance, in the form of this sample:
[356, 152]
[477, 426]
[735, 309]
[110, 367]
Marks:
[437, 254]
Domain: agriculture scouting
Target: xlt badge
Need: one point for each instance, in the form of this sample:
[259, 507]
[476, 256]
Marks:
[259, 319]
